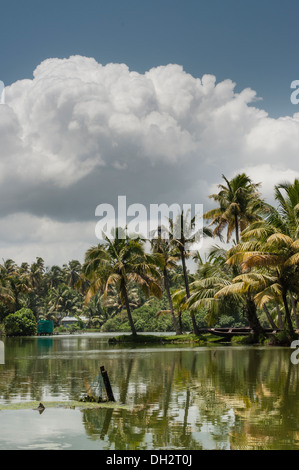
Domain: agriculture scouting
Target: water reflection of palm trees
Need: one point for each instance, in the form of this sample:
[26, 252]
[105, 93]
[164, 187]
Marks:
[174, 398]
[244, 403]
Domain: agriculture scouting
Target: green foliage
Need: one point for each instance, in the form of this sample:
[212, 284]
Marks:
[4, 311]
[162, 339]
[228, 321]
[146, 319]
[281, 339]
[119, 287]
[21, 323]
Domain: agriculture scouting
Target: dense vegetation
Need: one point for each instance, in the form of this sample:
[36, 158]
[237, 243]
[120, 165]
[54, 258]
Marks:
[253, 280]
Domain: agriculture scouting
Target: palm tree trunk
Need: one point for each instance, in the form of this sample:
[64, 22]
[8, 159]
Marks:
[287, 313]
[127, 304]
[195, 328]
[237, 228]
[167, 289]
[252, 318]
[269, 318]
[295, 311]
[180, 321]
[279, 316]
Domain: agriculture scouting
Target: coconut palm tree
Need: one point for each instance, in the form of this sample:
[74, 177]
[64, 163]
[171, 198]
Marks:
[6, 293]
[270, 268]
[183, 234]
[211, 275]
[285, 218]
[63, 301]
[239, 204]
[72, 272]
[36, 272]
[95, 311]
[118, 262]
[113, 302]
[15, 283]
[269, 254]
[54, 276]
[214, 289]
[169, 257]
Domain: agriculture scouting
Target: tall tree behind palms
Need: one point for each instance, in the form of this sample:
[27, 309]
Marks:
[239, 205]
[117, 263]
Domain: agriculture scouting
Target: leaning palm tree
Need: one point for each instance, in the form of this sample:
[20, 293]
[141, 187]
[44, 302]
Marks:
[239, 204]
[118, 262]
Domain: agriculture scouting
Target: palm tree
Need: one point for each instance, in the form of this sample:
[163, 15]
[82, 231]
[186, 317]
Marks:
[169, 258]
[72, 272]
[36, 273]
[15, 283]
[6, 293]
[286, 217]
[63, 301]
[211, 276]
[269, 267]
[118, 262]
[239, 205]
[113, 302]
[54, 276]
[215, 290]
[270, 248]
[182, 236]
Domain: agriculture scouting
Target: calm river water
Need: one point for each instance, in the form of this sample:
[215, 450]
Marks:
[176, 397]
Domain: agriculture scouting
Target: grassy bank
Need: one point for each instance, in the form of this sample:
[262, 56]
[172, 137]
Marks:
[276, 340]
[163, 339]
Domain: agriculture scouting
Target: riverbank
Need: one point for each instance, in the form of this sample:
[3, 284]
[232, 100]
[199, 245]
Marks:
[166, 339]
[280, 339]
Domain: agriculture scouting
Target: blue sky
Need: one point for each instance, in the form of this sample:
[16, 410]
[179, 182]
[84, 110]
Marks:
[76, 132]
[254, 43]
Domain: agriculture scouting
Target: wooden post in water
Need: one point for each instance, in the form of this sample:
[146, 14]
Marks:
[107, 384]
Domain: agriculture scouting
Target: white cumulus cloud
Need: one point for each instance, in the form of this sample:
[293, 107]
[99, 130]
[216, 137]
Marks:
[80, 133]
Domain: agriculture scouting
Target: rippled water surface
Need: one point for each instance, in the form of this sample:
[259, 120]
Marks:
[176, 397]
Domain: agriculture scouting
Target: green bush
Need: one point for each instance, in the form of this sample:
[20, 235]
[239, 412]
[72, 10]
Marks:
[20, 323]
[229, 321]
